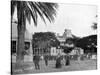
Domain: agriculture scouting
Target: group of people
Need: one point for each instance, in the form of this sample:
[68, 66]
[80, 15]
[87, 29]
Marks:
[59, 61]
[36, 60]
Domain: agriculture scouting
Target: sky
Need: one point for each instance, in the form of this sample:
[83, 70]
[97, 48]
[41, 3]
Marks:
[79, 18]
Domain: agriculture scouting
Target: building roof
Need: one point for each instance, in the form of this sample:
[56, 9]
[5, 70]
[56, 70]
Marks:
[67, 34]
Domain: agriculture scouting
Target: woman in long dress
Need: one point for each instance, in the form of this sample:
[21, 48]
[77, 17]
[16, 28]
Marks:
[58, 62]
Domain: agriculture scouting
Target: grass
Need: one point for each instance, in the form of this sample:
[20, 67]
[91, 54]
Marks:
[28, 67]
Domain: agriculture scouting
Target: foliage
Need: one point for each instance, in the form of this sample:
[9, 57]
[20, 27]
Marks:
[32, 10]
[27, 10]
[46, 38]
[94, 26]
[70, 41]
[88, 43]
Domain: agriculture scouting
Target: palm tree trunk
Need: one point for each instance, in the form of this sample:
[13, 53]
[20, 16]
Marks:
[20, 44]
[21, 36]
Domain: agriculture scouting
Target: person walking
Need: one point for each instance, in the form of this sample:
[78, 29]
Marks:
[58, 61]
[67, 58]
[36, 60]
[46, 60]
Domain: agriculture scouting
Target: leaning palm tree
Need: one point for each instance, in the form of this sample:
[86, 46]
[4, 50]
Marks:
[94, 26]
[27, 10]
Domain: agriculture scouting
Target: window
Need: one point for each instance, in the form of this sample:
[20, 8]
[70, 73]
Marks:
[13, 47]
[27, 45]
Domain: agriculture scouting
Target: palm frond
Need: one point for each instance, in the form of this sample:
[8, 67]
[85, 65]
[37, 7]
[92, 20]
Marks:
[94, 26]
[34, 9]
[47, 10]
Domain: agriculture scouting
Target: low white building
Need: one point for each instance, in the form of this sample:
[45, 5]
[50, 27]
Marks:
[77, 51]
[28, 43]
[55, 51]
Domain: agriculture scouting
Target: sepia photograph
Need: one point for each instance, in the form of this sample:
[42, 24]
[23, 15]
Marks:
[52, 37]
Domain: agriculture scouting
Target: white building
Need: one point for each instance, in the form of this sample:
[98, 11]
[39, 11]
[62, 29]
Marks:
[55, 51]
[77, 51]
[28, 43]
[66, 35]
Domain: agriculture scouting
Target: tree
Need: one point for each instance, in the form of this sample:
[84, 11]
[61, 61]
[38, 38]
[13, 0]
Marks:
[70, 43]
[48, 38]
[25, 11]
[94, 26]
[88, 43]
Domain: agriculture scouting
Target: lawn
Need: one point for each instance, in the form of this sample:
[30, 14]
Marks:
[28, 67]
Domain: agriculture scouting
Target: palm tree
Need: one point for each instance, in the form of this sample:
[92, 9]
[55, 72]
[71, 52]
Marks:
[94, 26]
[27, 10]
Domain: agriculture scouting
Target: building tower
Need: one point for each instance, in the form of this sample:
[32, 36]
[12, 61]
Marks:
[67, 34]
